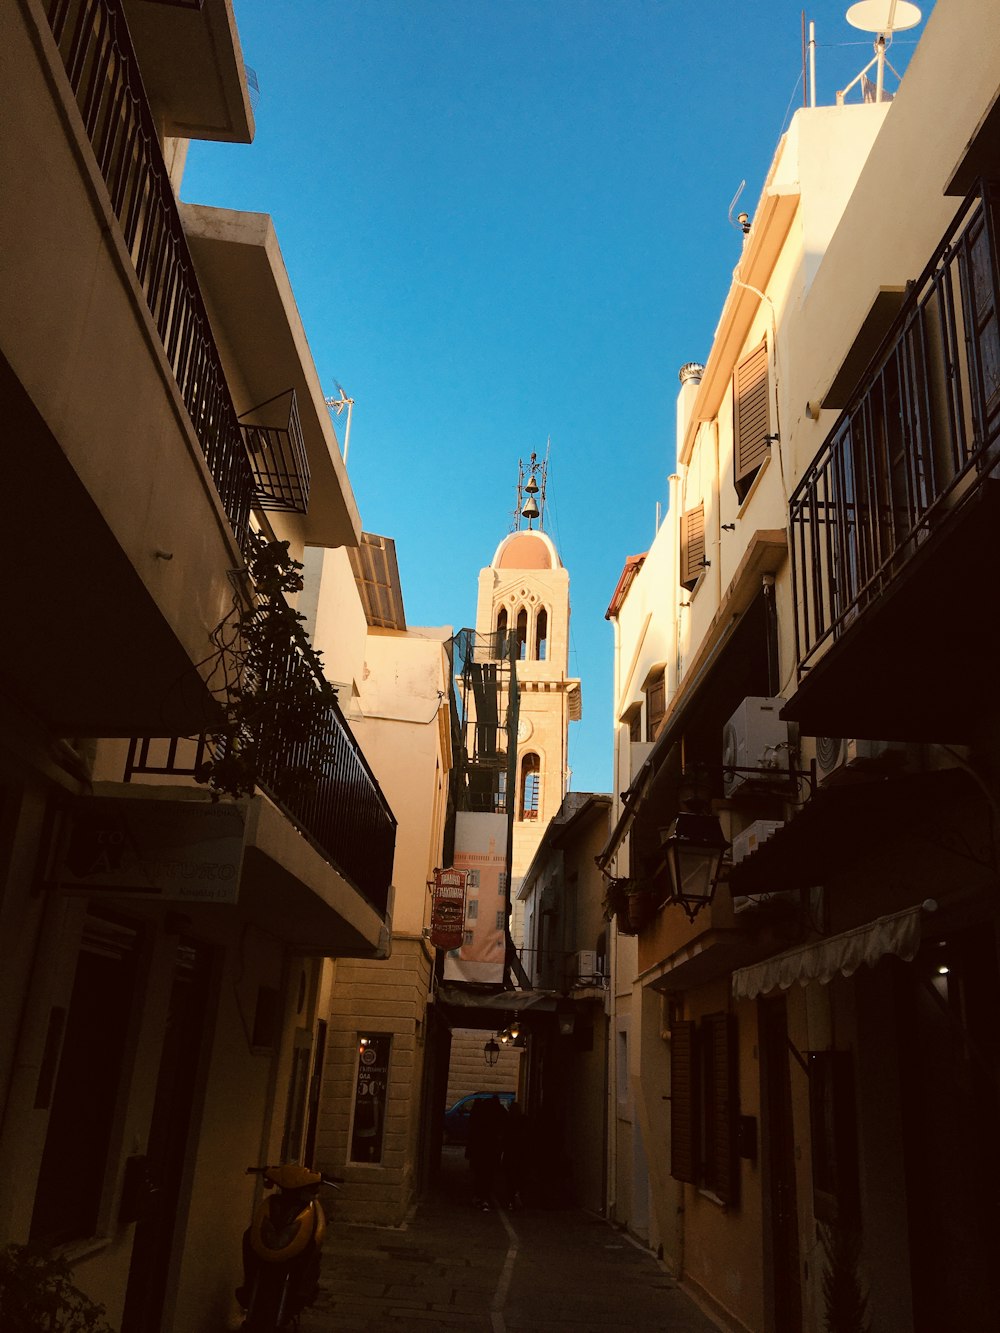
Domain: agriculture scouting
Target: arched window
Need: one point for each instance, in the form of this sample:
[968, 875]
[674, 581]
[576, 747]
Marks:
[501, 644]
[541, 634]
[522, 634]
[530, 783]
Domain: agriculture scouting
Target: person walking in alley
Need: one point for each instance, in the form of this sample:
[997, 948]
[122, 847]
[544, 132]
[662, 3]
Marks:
[517, 1163]
[484, 1148]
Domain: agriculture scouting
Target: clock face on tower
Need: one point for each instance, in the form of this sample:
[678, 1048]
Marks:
[524, 729]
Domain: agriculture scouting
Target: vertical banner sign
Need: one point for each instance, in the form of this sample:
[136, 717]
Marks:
[481, 851]
[448, 908]
[370, 1096]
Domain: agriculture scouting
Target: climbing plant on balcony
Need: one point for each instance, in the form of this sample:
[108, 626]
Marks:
[273, 698]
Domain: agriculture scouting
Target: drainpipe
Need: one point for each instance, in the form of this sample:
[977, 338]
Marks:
[611, 1109]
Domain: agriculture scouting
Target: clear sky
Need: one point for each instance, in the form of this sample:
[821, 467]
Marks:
[506, 221]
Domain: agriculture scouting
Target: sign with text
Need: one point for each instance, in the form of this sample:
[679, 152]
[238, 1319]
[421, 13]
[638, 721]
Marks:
[370, 1096]
[448, 908]
[180, 851]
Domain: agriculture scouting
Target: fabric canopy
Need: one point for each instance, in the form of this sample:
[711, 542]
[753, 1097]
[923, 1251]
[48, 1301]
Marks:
[897, 934]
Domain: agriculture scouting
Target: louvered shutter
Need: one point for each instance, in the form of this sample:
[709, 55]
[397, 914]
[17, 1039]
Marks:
[683, 1103]
[692, 545]
[721, 1163]
[751, 417]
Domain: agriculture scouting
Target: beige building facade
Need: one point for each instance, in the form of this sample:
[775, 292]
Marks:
[808, 1057]
[162, 945]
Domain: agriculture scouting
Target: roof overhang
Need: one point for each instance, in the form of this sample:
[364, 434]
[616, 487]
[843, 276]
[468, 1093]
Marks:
[715, 953]
[253, 311]
[192, 68]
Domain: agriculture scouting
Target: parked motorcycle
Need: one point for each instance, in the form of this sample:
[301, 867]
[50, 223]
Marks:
[281, 1248]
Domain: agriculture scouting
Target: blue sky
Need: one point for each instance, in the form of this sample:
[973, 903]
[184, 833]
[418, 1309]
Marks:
[504, 221]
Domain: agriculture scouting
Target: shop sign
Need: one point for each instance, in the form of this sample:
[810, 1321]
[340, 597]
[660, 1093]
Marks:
[448, 908]
[173, 851]
[370, 1096]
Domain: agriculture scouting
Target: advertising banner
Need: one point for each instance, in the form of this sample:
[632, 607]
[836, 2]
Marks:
[481, 851]
[370, 1096]
[448, 909]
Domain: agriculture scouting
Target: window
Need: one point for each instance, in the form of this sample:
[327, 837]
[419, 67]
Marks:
[501, 920]
[692, 545]
[472, 879]
[466, 939]
[656, 704]
[502, 883]
[530, 778]
[501, 643]
[634, 724]
[521, 635]
[472, 909]
[703, 1105]
[541, 634]
[751, 418]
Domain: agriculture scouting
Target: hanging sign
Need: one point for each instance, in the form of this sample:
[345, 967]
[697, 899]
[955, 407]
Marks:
[448, 908]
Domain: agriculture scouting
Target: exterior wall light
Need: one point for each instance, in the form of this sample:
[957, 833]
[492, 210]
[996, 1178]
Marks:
[492, 1052]
[693, 845]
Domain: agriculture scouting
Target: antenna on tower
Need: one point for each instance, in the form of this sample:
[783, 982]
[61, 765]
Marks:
[883, 17]
[337, 406]
[532, 478]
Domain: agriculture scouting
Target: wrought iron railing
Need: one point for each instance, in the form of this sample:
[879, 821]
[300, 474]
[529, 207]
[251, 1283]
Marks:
[277, 453]
[94, 43]
[919, 434]
[316, 775]
[321, 782]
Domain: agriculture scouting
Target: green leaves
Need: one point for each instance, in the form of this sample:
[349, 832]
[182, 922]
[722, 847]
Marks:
[37, 1295]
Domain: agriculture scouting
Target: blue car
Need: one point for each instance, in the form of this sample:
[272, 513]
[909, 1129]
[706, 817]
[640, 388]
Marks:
[456, 1118]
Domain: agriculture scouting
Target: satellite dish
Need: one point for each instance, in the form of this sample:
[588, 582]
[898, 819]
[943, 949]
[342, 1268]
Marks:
[886, 16]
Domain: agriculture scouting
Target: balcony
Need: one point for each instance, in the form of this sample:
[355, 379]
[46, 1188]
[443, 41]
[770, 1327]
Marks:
[894, 527]
[322, 783]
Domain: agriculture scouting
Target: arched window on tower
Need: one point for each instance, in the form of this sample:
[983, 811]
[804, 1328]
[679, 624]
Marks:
[530, 783]
[541, 635]
[522, 634]
[500, 649]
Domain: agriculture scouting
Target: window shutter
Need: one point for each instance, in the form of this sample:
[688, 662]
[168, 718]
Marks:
[692, 545]
[721, 1110]
[751, 417]
[683, 1103]
[656, 705]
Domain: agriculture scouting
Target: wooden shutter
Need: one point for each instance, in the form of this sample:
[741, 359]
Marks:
[751, 417]
[683, 1103]
[692, 545]
[721, 1164]
[656, 704]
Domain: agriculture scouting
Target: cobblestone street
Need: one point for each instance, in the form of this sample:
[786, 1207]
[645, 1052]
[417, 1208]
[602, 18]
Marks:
[453, 1267]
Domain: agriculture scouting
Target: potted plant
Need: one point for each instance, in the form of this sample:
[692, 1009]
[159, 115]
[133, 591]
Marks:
[616, 899]
[37, 1293]
[641, 906]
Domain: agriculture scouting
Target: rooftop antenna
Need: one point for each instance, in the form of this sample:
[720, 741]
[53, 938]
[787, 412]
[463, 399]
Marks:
[532, 478]
[337, 406]
[742, 221]
[883, 17]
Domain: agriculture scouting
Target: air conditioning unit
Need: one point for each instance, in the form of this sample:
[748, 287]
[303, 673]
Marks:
[746, 842]
[839, 760]
[586, 965]
[755, 737]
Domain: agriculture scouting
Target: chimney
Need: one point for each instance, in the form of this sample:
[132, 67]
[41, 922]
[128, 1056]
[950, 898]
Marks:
[690, 377]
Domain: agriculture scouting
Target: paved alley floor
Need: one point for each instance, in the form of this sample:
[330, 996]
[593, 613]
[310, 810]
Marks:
[453, 1267]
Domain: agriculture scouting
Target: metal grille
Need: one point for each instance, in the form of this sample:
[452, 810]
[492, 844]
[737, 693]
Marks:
[915, 441]
[277, 454]
[94, 43]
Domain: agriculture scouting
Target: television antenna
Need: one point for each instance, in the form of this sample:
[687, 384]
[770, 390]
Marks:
[337, 406]
[883, 17]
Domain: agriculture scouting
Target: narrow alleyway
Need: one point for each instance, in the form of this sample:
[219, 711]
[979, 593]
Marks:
[453, 1267]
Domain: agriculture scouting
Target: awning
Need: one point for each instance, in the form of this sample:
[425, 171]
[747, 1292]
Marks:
[897, 933]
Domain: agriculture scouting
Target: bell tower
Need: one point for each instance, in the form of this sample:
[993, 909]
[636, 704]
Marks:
[524, 592]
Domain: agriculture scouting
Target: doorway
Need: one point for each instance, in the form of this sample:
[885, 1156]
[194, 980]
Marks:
[156, 1181]
[781, 1221]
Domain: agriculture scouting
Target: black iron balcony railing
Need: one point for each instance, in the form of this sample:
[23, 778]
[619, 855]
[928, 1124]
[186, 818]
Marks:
[322, 783]
[920, 433]
[94, 43]
[277, 453]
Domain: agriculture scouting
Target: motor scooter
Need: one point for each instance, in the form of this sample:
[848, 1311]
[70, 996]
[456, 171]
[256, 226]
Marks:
[281, 1248]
